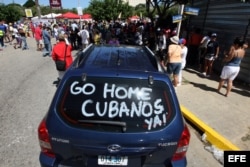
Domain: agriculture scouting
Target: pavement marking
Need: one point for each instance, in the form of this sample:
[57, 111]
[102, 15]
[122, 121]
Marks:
[212, 136]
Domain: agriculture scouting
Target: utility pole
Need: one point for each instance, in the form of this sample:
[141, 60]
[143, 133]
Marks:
[181, 9]
[80, 13]
[38, 9]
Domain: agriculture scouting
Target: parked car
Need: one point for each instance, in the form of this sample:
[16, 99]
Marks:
[115, 106]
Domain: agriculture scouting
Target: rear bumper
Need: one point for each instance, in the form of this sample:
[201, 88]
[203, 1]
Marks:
[180, 163]
[46, 161]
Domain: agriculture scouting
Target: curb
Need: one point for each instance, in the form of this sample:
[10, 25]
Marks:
[212, 136]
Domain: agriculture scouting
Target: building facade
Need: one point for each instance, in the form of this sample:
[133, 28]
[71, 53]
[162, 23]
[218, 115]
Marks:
[135, 2]
[229, 19]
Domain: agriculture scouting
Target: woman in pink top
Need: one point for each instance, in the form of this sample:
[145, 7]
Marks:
[38, 37]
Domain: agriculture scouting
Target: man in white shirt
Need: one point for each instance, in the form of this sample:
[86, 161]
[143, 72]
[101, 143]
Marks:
[74, 26]
[84, 34]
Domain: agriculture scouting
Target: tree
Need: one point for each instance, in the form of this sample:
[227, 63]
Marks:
[45, 10]
[29, 4]
[11, 12]
[140, 9]
[165, 9]
[108, 9]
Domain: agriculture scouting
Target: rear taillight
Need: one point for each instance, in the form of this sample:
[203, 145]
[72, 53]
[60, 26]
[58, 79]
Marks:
[182, 145]
[44, 140]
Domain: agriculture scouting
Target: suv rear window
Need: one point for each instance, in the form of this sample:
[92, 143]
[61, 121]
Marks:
[116, 105]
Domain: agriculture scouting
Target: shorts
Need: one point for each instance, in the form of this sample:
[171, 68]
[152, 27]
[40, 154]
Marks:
[39, 42]
[210, 57]
[230, 72]
[173, 68]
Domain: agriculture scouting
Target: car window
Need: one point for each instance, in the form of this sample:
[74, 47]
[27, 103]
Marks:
[116, 105]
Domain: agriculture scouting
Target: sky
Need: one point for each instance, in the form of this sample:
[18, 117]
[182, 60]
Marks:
[66, 4]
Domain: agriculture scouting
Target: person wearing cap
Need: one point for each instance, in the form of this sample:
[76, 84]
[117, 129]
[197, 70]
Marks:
[62, 51]
[211, 54]
[173, 60]
[184, 51]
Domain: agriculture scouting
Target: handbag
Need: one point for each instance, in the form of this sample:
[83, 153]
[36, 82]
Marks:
[61, 64]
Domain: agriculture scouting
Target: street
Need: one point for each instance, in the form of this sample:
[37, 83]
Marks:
[26, 79]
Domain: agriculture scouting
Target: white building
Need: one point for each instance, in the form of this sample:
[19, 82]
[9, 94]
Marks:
[135, 2]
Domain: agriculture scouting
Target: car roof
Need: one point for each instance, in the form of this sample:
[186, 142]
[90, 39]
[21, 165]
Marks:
[123, 57]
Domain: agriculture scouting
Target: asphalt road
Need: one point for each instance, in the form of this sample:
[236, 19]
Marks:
[26, 80]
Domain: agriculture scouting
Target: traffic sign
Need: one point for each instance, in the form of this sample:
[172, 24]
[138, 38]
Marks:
[191, 11]
[177, 18]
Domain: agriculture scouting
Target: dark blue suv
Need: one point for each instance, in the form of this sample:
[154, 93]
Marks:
[115, 106]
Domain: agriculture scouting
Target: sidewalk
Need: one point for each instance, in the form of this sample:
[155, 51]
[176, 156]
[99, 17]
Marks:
[227, 116]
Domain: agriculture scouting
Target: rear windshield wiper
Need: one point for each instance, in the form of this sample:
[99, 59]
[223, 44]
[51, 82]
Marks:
[113, 123]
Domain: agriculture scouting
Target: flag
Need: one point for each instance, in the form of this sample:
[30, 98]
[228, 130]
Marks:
[55, 4]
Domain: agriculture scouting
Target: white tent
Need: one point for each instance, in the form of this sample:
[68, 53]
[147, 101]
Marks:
[45, 19]
[35, 18]
[51, 16]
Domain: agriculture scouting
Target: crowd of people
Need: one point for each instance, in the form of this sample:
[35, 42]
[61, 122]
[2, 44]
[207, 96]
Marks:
[195, 49]
[132, 33]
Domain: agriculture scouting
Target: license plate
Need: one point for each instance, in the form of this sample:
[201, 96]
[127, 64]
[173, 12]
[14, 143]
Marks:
[112, 160]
